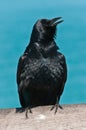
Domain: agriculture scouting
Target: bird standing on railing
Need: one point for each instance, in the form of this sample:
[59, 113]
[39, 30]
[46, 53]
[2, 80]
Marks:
[42, 71]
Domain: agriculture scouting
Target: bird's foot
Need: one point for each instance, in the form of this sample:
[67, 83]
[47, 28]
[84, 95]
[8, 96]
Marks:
[60, 107]
[56, 106]
[26, 113]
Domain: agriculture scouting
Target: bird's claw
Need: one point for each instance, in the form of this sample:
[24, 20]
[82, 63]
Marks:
[60, 107]
[26, 113]
[56, 108]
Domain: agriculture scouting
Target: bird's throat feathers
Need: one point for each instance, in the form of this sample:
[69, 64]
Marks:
[44, 49]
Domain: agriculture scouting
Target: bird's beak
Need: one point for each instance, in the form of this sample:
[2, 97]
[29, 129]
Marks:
[55, 21]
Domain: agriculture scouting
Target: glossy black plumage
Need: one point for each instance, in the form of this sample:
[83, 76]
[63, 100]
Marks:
[42, 71]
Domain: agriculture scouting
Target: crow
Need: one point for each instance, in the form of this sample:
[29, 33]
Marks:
[42, 69]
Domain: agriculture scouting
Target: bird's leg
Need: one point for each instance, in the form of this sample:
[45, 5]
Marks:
[26, 113]
[56, 106]
[60, 106]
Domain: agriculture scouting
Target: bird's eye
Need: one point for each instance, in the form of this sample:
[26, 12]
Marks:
[45, 23]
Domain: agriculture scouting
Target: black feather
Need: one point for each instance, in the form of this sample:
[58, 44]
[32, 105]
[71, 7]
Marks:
[42, 71]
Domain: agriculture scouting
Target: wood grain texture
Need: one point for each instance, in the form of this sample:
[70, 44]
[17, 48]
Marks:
[72, 117]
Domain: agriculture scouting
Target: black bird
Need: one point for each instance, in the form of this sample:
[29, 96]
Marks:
[42, 70]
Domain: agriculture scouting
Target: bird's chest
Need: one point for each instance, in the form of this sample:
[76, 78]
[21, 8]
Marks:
[38, 66]
[43, 69]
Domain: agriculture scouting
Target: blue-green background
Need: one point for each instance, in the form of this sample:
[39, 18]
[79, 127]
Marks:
[16, 20]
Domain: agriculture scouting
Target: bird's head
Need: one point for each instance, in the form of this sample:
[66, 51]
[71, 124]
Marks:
[45, 29]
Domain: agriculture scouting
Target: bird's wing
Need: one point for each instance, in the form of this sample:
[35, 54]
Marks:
[20, 67]
[64, 66]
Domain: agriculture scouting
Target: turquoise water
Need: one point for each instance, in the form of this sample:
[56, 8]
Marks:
[16, 21]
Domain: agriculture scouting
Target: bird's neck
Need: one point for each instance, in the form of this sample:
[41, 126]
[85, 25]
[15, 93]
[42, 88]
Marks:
[47, 47]
[41, 40]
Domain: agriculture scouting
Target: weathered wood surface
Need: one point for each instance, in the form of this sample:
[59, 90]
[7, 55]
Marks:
[72, 117]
